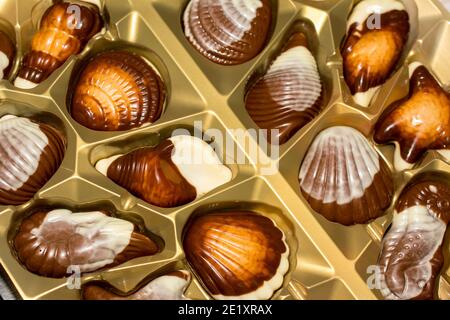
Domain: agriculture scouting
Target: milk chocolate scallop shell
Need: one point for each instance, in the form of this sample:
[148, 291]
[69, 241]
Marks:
[117, 90]
[59, 37]
[30, 153]
[344, 179]
[377, 34]
[54, 243]
[418, 122]
[177, 171]
[228, 32]
[412, 254]
[237, 254]
[289, 95]
[170, 286]
[7, 55]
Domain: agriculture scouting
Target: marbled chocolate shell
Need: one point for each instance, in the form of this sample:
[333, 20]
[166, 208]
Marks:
[168, 287]
[418, 122]
[344, 179]
[289, 95]
[237, 255]
[7, 54]
[228, 32]
[30, 153]
[58, 242]
[412, 255]
[118, 90]
[177, 171]
[371, 52]
[60, 36]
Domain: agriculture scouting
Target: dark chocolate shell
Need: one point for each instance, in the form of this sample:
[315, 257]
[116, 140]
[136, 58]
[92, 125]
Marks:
[371, 52]
[118, 90]
[7, 54]
[418, 122]
[167, 287]
[59, 37]
[412, 256]
[344, 179]
[228, 32]
[167, 175]
[237, 255]
[289, 95]
[56, 243]
[30, 153]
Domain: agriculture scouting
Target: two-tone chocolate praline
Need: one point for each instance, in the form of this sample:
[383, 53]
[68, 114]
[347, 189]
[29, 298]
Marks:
[237, 254]
[55, 243]
[117, 90]
[30, 153]
[289, 95]
[7, 55]
[412, 255]
[228, 32]
[344, 179]
[59, 37]
[418, 122]
[377, 34]
[177, 171]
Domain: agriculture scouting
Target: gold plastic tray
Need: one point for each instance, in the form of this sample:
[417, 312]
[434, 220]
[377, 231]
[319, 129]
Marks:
[328, 261]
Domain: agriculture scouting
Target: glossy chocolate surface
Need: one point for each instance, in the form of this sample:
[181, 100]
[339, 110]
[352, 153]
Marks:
[7, 55]
[116, 91]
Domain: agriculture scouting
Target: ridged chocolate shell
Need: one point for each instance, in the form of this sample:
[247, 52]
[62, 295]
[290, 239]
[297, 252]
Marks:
[344, 179]
[168, 175]
[289, 95]
[371, 53]
[228, 32]
[7, 54]
[116, 91]
[48, 243]
[237, 255]
[419, 122]
[168, 287]
[412, 255]
[30, 153]
[57, 40]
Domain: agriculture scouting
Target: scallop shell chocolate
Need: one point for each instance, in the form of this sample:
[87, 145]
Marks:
[228, 32]
[57, 242]
[344, 179]
[237, 255]
[177, 171]
[418, 122]
[412, 255]
[377, 34]
[117, 90]
[59, 37]
[7, 54]
[167, 287]
[30, 153]
[289, 95]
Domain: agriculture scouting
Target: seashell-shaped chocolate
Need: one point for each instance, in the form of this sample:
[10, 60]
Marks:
[61, 34]
[418, 122]
[289, 95]
[117, 90]
[30, 153]
[344, 179]
[237, 255]
[228, 32]
[377, 33]
[58, 242]
[7, 54]
[177, 171]
[412, 256]
[168, 287]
